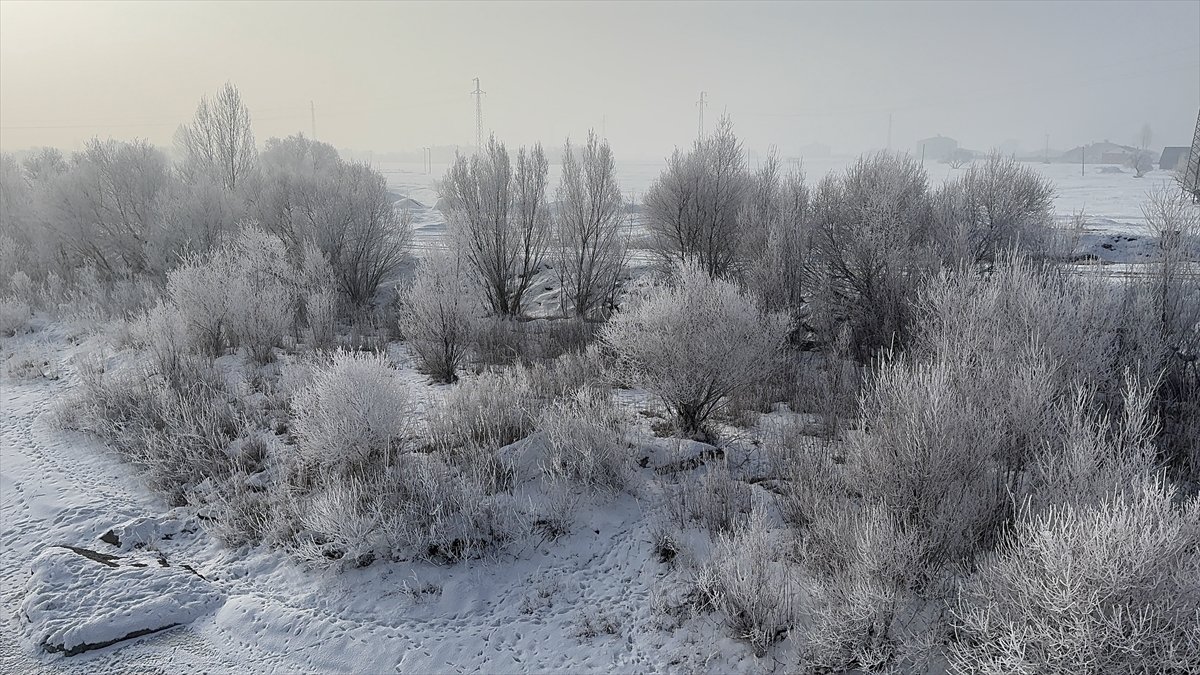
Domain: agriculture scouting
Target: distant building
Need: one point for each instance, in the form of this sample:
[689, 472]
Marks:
[937, 149]
[1173, 158]
[1099, 153]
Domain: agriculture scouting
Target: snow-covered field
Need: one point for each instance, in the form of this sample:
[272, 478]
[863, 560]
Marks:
[91, 554]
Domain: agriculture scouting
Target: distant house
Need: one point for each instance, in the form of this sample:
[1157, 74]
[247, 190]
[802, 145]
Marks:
[1173, 158]
[938, 149]
[1099, 153]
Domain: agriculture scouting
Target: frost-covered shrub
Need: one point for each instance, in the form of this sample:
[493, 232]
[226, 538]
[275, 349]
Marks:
[14, 316]
[319, 315]
[859, 610]
[872, 248]
[695, 345]
[928, 458]
[693, 207]
[452, 511]
[437, 317]
[994, 206]
[422, 506]
[1097, 455]
[570, 372]
[177, 431]
[1106, 587]
[488, 411]
[746, 581]
[260, 292]
[717, 501]
[585, 439]
[353, 415]
[198, 289]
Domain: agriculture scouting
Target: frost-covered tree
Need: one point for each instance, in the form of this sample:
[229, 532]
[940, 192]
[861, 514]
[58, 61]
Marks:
[107, 209]
[693, 207]
[219, 142]
[44, 163]
[309, 194]
[499, 220]
[588, 227]
[993, 206]
[775, 244]
[1141, 161]
[695, 345]
[872, 242]
[436, 320]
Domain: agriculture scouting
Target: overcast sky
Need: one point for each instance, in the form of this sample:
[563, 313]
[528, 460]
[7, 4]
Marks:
[396, 76]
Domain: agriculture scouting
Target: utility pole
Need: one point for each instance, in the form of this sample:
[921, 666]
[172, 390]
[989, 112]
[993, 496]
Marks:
[312, 109]
[478, 94]
[701, 103]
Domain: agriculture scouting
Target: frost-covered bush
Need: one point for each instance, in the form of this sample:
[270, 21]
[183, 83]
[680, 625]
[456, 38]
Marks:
[994, 206]
[872, 248]
[320, 309]
[177, 430]
[437, 317]
[353, 415]
[585, 439]
[14, 316]
[695, 345]
[488, 411]
[198, 289]
[422, 506]
[860, 612]
[310, 196]
[244, 293]
[261, 292]
[693, 208]
[929, 457]
[746, 581]
[1101, 588]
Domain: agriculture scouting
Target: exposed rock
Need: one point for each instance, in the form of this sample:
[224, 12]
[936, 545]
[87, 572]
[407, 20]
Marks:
[78, 599]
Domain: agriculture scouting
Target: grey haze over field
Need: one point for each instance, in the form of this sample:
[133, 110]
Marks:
[396, 76]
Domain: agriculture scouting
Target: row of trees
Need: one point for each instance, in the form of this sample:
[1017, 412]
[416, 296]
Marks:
[126, 210]
[506, 231]
[854, 249]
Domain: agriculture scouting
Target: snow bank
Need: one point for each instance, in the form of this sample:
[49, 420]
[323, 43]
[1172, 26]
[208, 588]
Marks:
[78, 599]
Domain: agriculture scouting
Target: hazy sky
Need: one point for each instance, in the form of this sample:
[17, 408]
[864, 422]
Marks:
[396, 76]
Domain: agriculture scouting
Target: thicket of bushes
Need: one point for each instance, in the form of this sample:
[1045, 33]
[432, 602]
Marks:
[1002, 478]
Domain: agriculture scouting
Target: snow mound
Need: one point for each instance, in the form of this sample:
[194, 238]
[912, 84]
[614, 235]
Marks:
[79, 599]
[143, 531]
